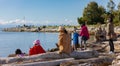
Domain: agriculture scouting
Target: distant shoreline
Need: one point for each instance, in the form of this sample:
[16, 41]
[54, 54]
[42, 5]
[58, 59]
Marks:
[52, 29]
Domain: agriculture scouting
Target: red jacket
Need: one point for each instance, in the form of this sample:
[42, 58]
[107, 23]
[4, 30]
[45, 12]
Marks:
[84, 32]
[36, 49]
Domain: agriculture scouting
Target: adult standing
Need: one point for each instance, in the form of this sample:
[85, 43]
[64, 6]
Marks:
[84, 34]
[110, 32]
[64, 42]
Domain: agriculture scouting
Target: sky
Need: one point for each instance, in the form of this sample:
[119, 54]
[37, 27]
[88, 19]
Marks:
[44, 12]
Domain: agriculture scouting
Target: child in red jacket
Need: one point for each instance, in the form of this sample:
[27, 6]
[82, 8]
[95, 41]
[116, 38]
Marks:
[36, 49]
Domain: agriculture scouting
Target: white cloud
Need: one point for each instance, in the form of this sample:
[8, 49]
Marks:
[3, 22]
[47, 22]
[38, 22]
[69, 21]
[16, 21]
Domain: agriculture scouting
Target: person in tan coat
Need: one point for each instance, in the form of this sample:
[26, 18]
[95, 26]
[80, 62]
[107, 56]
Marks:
[110, 33]
[64, 42]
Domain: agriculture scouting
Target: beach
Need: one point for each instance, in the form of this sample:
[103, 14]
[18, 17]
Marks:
[96, 54]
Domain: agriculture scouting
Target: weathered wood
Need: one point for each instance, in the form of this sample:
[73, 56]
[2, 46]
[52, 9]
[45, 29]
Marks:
[100, 61]
[50, 55]
[45, 63]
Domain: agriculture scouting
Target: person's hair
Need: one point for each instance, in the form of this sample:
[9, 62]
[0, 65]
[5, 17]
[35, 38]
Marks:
[110, 17]
[18, 51]
[65, 31]
[75, 27]
[83, 25]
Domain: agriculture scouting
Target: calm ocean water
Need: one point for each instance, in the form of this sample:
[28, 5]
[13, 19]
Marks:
[10, 41]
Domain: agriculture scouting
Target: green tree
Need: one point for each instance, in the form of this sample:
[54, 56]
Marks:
[111, 6]
[116, 13]
[118, 6]
[44, 27]
[80, 20]
[119, 10]
[92, 14]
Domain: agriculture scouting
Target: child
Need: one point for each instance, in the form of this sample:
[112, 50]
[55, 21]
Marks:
[75, 40]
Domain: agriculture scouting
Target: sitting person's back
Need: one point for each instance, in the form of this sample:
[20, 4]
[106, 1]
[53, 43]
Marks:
[19, 53]
[64, 41]
[36, 49]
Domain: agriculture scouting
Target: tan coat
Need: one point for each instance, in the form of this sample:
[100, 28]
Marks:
[64, 42]
[110, 30]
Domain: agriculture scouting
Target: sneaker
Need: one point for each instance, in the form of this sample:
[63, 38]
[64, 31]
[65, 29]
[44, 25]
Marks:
[111, 52]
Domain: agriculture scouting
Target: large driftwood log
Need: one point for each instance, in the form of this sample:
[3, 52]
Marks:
[84, 54]
[45, 63]
[50, 55]
[100, 61]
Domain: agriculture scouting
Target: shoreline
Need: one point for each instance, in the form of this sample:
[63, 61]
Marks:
[51, 29]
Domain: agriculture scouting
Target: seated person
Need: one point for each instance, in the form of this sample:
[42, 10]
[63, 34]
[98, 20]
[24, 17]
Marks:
[103, 34]
[54, 49]
[98, 35]
[19, 53]
[64, 41]
[36, 49]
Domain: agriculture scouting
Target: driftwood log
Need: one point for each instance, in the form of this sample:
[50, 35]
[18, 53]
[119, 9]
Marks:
[49, 56]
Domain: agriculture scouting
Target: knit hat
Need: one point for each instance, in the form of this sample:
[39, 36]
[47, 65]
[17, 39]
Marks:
[36, 42]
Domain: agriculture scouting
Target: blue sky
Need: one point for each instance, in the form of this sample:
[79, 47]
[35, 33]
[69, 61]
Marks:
[44, 12]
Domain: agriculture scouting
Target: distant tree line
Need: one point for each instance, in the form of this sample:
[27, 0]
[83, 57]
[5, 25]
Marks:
[94, 14]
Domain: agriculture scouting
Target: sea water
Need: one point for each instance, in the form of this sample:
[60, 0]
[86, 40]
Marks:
[10, 41]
